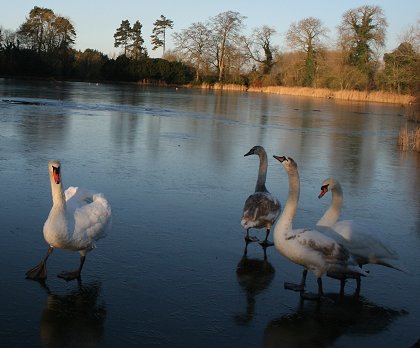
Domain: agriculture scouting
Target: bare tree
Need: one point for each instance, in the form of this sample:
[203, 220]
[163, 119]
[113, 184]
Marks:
[194, 43]
[412, 35]
[306, 36]
[7, 39]
[226, 28]
[260, 48]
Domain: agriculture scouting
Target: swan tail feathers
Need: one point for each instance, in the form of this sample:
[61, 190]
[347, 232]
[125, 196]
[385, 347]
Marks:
[386, 264]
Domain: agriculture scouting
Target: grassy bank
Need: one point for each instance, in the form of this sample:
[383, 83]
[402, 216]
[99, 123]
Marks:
[378, 97]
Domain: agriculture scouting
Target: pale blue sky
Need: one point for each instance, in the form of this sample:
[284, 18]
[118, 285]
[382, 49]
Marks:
[96, 21]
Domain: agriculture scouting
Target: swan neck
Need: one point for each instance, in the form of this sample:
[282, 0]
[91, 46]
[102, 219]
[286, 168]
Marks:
[262, 173]
[58, 197]
[332, 214]
[284, 223]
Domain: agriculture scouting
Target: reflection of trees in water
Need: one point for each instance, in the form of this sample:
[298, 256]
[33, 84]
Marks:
[38, 110]
[124, 124]
[254, 276]
[42, 125]
[414, 188]
[75, 319]
[320, 324]
[124, 130]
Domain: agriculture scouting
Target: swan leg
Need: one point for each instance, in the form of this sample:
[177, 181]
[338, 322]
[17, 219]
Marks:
[39, 272]
[342, 285]
[265, 252]
[249, 238]
[70, 275]
[358, 284]
[266, 242]
[246, 247]
[312, 296]
[297, 287]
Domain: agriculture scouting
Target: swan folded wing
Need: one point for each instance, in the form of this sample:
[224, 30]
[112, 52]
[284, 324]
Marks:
[259, 208]
[77, 197]
[328, 247]
[361, 241]
[92, 220]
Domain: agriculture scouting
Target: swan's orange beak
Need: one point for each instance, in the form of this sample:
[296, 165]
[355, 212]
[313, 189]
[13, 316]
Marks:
[56, 175]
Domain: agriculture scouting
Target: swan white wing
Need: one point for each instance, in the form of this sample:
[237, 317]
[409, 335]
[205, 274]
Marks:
[77, 197]
[91, 215]
[322, 254]
[331, 250]
[361, 240]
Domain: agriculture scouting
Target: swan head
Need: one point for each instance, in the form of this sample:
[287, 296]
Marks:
[54, 168]
[287, 162]
[329, 184]
[256, 150]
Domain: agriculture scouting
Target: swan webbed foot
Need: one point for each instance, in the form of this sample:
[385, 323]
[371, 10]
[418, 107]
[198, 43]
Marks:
[266, 243]
[39, 272]
[294, 287]
[69, 275]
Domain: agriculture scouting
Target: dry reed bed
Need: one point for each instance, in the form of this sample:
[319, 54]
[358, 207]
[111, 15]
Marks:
[379, 97]
[409, 139]
[350, 95]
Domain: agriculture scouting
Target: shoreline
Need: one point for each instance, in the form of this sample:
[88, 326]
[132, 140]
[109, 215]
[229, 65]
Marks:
[346, 95]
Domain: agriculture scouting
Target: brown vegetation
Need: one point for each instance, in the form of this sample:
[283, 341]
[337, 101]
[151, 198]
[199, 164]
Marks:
[410, 139]
[350, 95]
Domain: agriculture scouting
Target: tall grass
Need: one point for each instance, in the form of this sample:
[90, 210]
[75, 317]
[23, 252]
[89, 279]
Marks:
[350, 95]
[409, 139]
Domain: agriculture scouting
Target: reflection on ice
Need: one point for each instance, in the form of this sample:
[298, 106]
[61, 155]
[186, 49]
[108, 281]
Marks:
[319, 324]
[254, 275]
[75, 319]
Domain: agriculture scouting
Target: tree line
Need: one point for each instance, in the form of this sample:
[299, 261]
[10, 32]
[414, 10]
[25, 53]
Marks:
[217, 51]
[42, 46]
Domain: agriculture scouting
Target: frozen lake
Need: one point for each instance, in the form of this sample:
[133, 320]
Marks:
[172, 273]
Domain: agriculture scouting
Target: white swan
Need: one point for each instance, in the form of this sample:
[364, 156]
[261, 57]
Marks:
[77, 219]
[357, 237]
[309, 248]
[261, 209]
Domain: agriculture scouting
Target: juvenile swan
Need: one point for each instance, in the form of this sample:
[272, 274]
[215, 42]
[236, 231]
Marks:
[308, 248]
[261, 209]
[77, 219]
[358, 238]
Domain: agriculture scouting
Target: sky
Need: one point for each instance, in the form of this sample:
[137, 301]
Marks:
[96, 21]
